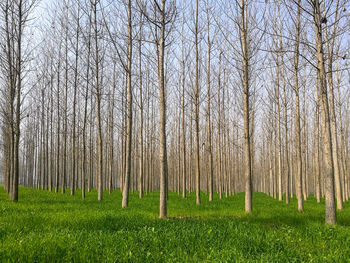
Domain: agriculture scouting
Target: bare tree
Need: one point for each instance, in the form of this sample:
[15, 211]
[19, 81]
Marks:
[125, 200]
[297, 109]
[246, 108]
[141, 157]
[98, 93]
[164, 13]
[196, 107]
[326, 125]
[211, 172]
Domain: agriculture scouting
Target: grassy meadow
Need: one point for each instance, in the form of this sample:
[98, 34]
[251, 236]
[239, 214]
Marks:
[48, 227]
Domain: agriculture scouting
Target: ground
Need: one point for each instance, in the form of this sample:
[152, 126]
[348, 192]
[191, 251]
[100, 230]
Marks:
[48, 227]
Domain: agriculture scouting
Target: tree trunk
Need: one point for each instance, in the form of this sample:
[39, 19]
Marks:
[183, 107]
[98, 108]
[297, 114]
[196, 110]
[317, 145]
[84, 168]
[162, 120]
[330, 216]
[141, 168]
[211, 172]
[246, 108]
[58, 130]
[125, 200]
[74, 151]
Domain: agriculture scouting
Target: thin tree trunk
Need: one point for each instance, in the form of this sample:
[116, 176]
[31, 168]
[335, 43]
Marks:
[278, 126]
[162, 120]
[58, 130]
[85, 115]
[317, 146]
[246, 108]
[196, 110]
[211, 172]
[74, 151]
[98, 108]
[183, 106]
[141, 157]
[14, 196]
[125, 200]
[285, 112]
[64, 174]
[297, 114]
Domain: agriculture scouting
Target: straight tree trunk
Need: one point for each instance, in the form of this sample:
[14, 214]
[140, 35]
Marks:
[278, 126]
[58, 129]
[162, 113]
[98, 108]
[183, 106]
[84, 168]
[304, 146]
[14, 196]
[297, 113]
[141, 158]
[317, 146]
[125, 200]
[196, 109]
[285, 112]
[64, 174]
[330, 216]
[211, 172]
[111, 132]
[74, 151]
[246, 108]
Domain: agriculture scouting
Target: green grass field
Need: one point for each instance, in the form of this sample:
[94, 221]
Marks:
[50, 227]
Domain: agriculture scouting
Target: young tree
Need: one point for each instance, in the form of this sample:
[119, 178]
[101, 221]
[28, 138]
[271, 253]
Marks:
[75, 88]
[211, 172]
[297, 109]
[196, 107]
[98, 92]
[125, 200]
[184, 170]
[141, 157]
[87, 39]
[164, 13]
[246, 107]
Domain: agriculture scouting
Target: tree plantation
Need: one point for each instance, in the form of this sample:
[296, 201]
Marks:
[230, 119]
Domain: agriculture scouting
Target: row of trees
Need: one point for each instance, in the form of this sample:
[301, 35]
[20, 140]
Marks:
[183, 96]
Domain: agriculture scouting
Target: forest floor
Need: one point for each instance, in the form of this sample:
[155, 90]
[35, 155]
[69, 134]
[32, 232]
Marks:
[48, 227]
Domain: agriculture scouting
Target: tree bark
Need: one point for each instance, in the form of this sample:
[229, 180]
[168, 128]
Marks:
[98, 107]
[297, 113]
[125, 200]
[246, 108]
[196, 110]
[162, 120]
[211, 172]
[141, 157]
[330, 209]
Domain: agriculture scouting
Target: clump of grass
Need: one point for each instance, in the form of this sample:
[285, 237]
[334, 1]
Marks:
[49, 227]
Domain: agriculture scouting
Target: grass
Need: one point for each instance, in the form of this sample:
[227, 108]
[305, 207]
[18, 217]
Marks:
[50, 227]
